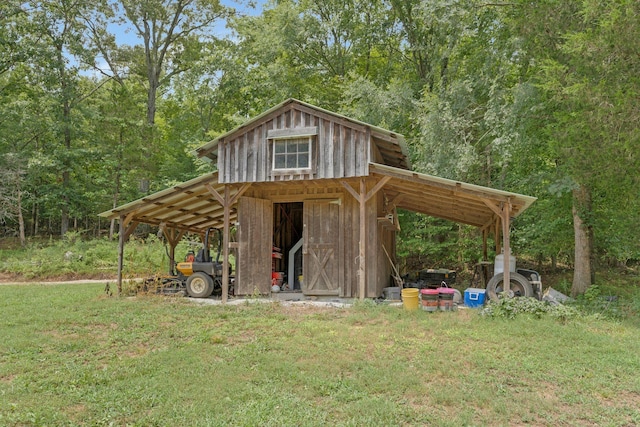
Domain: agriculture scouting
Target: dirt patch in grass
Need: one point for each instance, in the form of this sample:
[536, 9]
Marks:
[7, 379]
[69, 277]
[303, 310]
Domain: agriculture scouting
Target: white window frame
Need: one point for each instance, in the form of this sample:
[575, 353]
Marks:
[286, 141]
[278, 136]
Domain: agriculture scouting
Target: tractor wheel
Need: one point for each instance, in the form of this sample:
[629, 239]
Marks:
[519, 286]
[199, 285]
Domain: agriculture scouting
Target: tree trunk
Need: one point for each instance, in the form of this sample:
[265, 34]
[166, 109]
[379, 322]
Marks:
[582, 275]
[34, 218]
[116, 192]
[64, 209]
[23, 239]
[151, 103]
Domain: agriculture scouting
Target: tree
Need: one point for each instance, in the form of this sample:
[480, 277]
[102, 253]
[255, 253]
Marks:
[58, 37]
[11, 192]
[586, 61]
[172, 35]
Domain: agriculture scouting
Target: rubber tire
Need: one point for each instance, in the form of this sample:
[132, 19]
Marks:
[199, 285]
[520, 286]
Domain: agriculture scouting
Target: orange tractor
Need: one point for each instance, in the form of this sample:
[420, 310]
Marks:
[199, 275]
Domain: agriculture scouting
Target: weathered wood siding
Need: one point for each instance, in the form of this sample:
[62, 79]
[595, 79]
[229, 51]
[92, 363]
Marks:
[255, 232]
[346, 235]
[340, 149]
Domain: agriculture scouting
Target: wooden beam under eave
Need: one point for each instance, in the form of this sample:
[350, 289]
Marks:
[415, 178]
[146, 201]
[376, 188]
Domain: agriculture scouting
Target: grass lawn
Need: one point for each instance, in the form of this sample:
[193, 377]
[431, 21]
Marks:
[69, 355]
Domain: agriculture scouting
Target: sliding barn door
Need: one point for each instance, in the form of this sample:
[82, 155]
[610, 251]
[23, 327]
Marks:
[321, 248]
[255, 230]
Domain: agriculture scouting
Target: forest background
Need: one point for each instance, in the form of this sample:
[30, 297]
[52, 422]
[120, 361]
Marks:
[101, 102]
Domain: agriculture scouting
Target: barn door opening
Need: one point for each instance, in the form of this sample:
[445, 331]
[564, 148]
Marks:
[321, 246]
[287, 237]
[255, 228]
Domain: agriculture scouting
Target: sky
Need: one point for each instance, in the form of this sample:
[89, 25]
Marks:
[126, 35]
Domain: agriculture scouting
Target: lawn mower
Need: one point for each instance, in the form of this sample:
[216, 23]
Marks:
[198, 275]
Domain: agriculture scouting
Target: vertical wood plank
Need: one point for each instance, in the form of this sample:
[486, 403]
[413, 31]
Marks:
[351, 163]
[320, 139]
[265, 150]
[241, 159]
[252, 155]
[221, 161]
[362, 279]
[225, 244]
[321, 152]
[338, 141]
[329, 163]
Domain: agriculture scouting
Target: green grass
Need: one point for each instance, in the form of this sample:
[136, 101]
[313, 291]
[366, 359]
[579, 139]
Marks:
[71, 356]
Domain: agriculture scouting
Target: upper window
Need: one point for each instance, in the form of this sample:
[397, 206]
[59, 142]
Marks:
[293, 153]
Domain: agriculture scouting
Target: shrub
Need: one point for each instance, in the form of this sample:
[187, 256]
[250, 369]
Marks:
[510, 308]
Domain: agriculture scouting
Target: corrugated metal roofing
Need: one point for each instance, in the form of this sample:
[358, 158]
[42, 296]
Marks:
[191, 207]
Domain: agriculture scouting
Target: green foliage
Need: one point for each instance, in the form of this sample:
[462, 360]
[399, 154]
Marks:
[426, 242]
[593, 304]
[510, 308]
[74, 257]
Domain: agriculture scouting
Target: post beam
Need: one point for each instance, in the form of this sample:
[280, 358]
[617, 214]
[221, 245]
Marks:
[226, 201]
[506, 243]
[126, 228]
[363, 197]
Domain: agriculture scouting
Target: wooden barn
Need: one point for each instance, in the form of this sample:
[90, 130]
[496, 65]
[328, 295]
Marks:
[324, 190]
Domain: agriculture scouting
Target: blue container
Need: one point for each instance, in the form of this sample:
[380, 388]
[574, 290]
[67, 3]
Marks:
[474, 297]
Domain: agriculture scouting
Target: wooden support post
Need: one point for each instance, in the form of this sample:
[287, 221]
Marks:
[496, 235]
[503, 216]
[485, 249]
[362, 276]
[227, 201]
[363, 197]
[125, 231]
[506, 218]
[173, 237]
[225, 245]
[120, 253]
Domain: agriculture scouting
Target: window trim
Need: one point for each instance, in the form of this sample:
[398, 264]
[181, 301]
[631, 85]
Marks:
[285, 170]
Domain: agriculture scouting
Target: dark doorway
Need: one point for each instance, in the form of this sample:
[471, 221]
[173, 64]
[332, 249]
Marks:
[287, 239]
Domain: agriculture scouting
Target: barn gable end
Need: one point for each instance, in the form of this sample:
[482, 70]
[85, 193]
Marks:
[298, 141]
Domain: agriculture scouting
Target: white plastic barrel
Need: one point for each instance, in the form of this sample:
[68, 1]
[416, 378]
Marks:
[498, 267]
